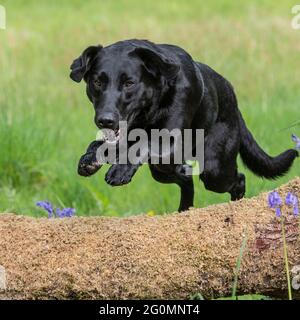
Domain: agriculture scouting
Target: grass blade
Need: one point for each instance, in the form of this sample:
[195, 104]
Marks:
[238, 265]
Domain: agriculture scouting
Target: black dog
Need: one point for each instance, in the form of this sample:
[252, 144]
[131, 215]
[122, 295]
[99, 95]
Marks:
[160, 86]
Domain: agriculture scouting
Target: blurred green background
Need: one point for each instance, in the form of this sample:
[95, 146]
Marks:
[46, 120]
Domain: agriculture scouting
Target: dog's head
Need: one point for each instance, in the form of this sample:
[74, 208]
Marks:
[123, 82]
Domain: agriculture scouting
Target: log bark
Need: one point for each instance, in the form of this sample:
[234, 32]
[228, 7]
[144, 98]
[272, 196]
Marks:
[171, 256]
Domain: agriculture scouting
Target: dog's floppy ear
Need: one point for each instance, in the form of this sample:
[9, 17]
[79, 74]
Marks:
[81, 65]
[156, 63]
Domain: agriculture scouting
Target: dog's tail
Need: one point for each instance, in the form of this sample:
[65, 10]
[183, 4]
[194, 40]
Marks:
[259, 162]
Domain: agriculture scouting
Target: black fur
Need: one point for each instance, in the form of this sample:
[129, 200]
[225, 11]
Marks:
[160, 86]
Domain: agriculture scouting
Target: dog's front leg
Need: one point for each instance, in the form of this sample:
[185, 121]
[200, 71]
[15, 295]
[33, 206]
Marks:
[88, 164]
[120, 174]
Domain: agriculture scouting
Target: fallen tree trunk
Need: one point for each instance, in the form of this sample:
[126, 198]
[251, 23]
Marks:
[171, 256]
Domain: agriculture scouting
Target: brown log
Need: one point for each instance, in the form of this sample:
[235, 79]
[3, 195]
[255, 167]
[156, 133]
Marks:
[170, 256]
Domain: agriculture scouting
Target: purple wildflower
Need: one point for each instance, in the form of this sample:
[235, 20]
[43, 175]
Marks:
[46, 205]
[66, 212]
[60, 213]
[296, 140]
[275, 202]
[292, 201]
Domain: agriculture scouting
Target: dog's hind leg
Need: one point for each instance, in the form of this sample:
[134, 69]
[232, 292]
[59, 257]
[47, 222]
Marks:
[220, 168]
[239, 188]
[176, 174]
[228, 181]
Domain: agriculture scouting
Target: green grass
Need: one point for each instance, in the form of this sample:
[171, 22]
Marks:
[46, 121]
[238, 265]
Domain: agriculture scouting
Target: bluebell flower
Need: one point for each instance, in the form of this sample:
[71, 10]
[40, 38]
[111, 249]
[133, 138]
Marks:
[275, 202]
[66, 212]
[69, 212]
[46, 205]
[292, 201]
[296, 140]
[60, 213]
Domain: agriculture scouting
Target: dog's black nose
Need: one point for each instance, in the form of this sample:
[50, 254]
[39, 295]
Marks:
[106, 121]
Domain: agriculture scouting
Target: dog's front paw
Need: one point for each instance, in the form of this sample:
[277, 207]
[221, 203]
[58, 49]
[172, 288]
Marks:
[120, 174]
[88, 164]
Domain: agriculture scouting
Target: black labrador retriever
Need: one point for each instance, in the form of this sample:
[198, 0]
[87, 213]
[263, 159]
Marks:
[160, 86]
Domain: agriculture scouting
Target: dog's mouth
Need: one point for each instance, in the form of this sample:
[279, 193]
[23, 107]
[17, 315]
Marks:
[111, 136]
[114, 136]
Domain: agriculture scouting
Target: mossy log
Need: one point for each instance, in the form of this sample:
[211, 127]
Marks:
[171, 256]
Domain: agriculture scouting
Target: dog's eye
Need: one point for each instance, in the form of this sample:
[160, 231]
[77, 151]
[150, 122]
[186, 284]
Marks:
[128, 84]
[97, 83]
